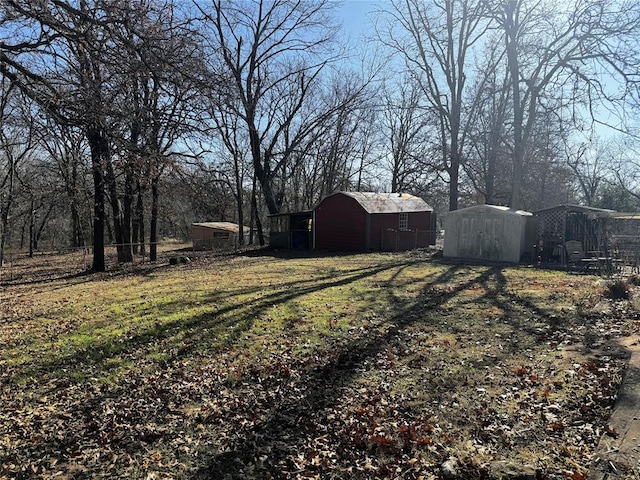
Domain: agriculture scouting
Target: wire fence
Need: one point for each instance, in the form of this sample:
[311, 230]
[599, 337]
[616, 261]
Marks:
[20, 266]
[399, 240]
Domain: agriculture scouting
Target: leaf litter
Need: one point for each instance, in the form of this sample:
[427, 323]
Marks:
[452, 372]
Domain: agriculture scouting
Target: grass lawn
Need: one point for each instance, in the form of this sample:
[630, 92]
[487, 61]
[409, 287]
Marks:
[351, 366]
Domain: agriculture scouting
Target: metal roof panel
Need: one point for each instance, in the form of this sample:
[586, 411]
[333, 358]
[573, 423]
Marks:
[226, 226]
[374, 202]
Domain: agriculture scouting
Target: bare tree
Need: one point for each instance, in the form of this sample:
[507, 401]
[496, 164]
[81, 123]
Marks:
[66, 149]
[561, 52]
[58, 61]
[161, 75]
[337, 149]
[591, 163]
[274, 53]
[235, 144]
[407, 127]
[486, 155]
[436, 39]
[339, 135]
[99, 65]
[625, 165]
[17, 141]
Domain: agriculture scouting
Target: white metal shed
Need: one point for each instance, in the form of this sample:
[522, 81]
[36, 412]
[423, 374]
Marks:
[491, 233]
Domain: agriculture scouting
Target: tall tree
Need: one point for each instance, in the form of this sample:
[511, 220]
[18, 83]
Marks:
[98, 65]
[162, 105]
[235, 161]
[436, 39]
[407, 128]
[487, 164]
[626, 172]
[17, 141]
[591, 164]
[56, 58]
[562, 55]
[66, 149]
[339, 134]
[274, 52]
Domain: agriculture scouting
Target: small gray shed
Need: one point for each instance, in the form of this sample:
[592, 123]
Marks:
[490, 233]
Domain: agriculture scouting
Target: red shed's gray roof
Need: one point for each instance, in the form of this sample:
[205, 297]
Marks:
[374, 202]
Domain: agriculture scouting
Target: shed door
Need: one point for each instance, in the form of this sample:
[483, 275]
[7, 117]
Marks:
[469, 239]
[491, 248]
[480, 237]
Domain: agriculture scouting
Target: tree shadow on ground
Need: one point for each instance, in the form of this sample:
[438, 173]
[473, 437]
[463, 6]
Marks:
[286, 426]
[324, 383]
[221, 326]
[285, 429]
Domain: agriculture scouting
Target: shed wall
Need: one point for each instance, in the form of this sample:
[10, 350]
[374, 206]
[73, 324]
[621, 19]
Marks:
[386, 236]
[340, 223]
[484, 233]
[205, 238]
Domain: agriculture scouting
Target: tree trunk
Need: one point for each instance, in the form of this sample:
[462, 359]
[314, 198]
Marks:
[454, 159]
[123, 241]
[75, 224]
[32, 229]
[492, 158]
[239, 199]
[240, 221]
[138, 223]
[262, 172]
[4, 211]
[153, 234]
[38, 231]
[99, 147]
[454, 173]
[490, 180]
[127, 214]
[267, 191]
[77, 235]
[257, 217]
[252, 213]
[511, 32]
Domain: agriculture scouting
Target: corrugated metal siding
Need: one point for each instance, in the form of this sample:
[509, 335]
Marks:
[340, 224]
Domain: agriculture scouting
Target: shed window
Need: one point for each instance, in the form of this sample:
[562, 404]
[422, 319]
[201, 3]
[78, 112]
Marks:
[404, 221]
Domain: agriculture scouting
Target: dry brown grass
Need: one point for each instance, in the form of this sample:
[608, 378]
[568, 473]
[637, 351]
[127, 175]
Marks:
[261, 366]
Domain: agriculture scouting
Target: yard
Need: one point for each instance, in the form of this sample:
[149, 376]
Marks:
[347, 367]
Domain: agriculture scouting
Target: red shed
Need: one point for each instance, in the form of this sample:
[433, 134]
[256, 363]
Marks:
[367, 221]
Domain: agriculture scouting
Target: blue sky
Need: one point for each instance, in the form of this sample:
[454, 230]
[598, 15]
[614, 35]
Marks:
[356, 10]
[354, 15]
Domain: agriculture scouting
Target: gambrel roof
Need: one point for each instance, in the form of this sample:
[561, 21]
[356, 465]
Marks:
[373, 202]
